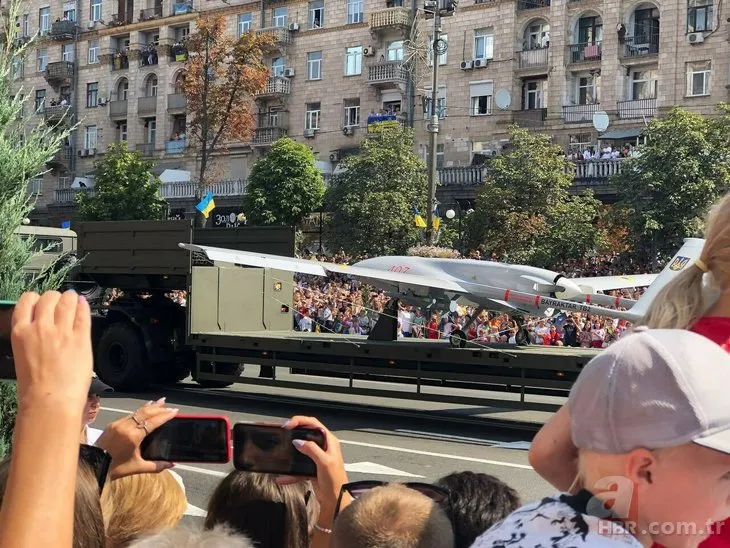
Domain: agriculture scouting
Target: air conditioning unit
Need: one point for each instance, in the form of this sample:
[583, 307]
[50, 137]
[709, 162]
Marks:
[82, 152]
[695, 38]
[289, 72]
[334, 156]
[480, 63]
[309, 133]
[368, 51]
[466, 65]
[90, 24]
[294, 27]
[348, 130]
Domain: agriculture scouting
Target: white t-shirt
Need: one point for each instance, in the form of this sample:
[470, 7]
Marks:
[552, 522]
[405, 319]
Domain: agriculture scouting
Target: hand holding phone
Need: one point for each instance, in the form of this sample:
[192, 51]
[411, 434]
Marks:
[190, 438]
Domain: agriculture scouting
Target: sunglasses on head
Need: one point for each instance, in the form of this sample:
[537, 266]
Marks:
[358, 488]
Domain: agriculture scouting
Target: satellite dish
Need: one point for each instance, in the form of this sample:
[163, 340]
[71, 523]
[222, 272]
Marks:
[503, 99]
[600, 121]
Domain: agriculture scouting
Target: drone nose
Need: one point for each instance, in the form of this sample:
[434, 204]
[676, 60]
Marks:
[570, 288]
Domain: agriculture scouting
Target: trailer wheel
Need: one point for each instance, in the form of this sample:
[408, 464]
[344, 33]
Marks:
[457, 339]
[233, 369]
[121, 358]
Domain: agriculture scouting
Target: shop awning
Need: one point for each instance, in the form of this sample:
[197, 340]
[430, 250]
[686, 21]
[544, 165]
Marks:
[617, 134]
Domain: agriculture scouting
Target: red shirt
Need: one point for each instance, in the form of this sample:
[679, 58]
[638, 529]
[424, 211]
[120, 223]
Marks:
[717, 329]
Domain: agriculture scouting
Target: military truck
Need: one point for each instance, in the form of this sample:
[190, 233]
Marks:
[50, 244]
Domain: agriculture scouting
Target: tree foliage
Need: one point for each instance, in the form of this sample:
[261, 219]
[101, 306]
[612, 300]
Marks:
[678, 174]
[223, 74]
[284, 186]
[125, 189]
[371, 200]
[525, 212]
[24, 150]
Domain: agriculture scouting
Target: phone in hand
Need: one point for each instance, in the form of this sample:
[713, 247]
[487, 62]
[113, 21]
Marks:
[190, 438]
[269, 449]
[98, 460]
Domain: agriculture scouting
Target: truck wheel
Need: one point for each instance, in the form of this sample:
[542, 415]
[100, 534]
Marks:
[233, 369]
[121, 358]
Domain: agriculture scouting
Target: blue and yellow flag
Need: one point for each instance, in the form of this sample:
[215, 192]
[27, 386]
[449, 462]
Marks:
[206, 205]
[436, 218]
[420, 223]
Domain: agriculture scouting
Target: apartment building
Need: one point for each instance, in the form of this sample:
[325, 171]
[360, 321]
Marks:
[118, 65]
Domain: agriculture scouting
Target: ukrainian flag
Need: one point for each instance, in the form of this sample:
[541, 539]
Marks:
[436, 218]
[206, 205]
[420, 223]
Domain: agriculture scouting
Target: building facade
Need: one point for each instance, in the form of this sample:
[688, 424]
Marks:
[116, 68]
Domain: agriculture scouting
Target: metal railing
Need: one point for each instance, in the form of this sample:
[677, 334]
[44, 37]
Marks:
[120, 61]
[577, 53]
[177, 101]
[118, 108]
[575, 114]
[530, 118]
[267, 135]
[57, 113]
[119, 19]
[150, 13]
[387, 71]
[62, 30]
[276, 85]
[147, 105]
[59, 71]
[390, 17]
[175, 146]
[533, 58]
[637, 108]
[62, 157]
[67, 196]
[595, 170]
[461, 175]
[146, 149]
[638, 46]
[281, 35]
[189, 189]
[532, 4]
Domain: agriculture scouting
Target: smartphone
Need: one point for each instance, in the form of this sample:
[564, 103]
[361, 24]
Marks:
[98, 460]
[190, 438]
[269, 449]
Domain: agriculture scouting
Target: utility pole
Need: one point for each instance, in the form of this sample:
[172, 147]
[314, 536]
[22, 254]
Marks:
[433, 126]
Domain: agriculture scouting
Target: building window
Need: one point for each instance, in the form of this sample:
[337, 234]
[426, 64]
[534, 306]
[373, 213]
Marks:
[92, 95]
[90, 137]
[151, 87]
[93, 52]
[40, 100]
[590, 30]
[355, 12]
[587, 89]
[443, 45]
[122, 132]
[280, 17]
[483, 44]
[42, 59]
[439, 155]
[352, 112]
[537, 36]
[535, 94]
[67, 52]
[311, 117]
[16, 67]
[316, 14]
[643, 84]
[44, 20]
[96, 10]
[26, 25]
[123, 90]
[699, 15]
[69, 14]
[151, 132]
[698, 78]
[277, 67]
[440, 102]
[314, 65]
[353, 61]
[245, 20]
[481, 94]
[394, 51]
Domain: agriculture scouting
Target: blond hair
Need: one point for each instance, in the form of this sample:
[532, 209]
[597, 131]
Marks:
[140, 505]
[393, 517]
[682, 301]
[218, 537]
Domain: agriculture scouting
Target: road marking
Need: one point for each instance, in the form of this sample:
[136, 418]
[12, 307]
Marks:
[377, 470]
[450, 437]
[195, 511]
[205, 471]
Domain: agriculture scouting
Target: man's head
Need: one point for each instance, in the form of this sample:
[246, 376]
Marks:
[393, 517]
[651, 420]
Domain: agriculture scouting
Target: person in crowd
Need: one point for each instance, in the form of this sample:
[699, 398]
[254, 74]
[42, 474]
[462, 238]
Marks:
[652, 428]
[141, 504]
[91, 409]
[476, 502]
[271, 515]
[393, 515]
[218, 537]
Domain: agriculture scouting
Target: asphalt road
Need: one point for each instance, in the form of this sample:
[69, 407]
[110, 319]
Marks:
[388, 448]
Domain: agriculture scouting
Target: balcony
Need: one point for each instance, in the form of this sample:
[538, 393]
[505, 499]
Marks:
[62, 30]
[377, 123]
[594, 175]
[150, 13]
[582, 53]
[148, 56]
[280, 36]
[387, 74]
[641, 46]
[461, 176]
[183, 190]
[578, 114]
[181, 8]
[270, 128]
[178, 53]
[121, 19]
[177, 101]
[118, 109]
[145, 149]
[391, 18]
[532, 4]
[533, 58]
[62, 158]
[636, 108]
[67, 196]
[275, 87]
[120, 61]
[531, 118]
[147, 106]
[58, 114]
[175, 146]
[60, 72]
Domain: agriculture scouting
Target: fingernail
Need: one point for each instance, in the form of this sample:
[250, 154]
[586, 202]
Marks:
[287, 423]
[150, 402]
[161, 400]
[72, 291]
[298, 443]
[82, 299]
[174, 410]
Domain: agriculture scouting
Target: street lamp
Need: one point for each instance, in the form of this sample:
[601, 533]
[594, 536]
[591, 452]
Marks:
[450, 214]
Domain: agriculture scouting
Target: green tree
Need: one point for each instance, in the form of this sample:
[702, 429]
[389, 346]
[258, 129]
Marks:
[24, 150]
[525, 212]
[371, 200]
[679, 173]
[284, 186]
[125, 189]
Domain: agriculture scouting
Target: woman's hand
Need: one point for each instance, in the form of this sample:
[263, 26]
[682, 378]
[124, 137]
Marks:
[122, 440]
